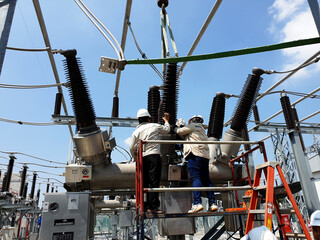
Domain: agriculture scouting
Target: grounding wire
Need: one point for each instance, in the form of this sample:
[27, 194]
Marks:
[90, 18]
[143, 55]
[24, 154]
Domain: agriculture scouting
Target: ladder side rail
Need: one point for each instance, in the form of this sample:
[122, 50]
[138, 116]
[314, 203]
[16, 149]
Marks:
[253, 201]
[294, 204]
[280, 222]
[269, 173]
[141, 177]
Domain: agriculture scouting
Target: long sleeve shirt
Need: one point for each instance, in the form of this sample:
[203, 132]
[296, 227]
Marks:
[194, 132]
[147, 131]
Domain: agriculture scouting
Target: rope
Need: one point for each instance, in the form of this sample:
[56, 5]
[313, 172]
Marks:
[233, 53]
[143, 55]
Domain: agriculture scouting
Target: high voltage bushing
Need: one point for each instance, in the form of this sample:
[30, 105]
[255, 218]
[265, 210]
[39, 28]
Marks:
[9, 173]
[154, 103]
[23, 180]
[33, 186]
[78, 90]
[287, 111]
[170, 94]
[248, 95]
[216, 119]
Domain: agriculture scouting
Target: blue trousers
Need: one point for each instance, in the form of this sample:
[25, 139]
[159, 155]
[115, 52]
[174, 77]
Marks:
[199, 174]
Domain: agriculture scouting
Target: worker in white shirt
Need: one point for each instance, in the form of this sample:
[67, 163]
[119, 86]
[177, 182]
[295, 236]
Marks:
[315, 224]
[151, 155]
[198, 157]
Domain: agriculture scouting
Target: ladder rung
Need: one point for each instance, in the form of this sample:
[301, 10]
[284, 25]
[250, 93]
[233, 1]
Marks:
[296, 235]
[257, 211]
[262, 187]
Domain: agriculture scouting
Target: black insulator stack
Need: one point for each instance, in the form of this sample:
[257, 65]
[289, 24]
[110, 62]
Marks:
[287, 112]
[25, 190]
[52, 189]
[57, 105]
[216, 120]
[247, 97]
[154, 103]
[4, 182]
[33, 186]
[170, 94]
[48, 187]
[23, 180]
[9, 173]
[115, 107]
[78, 90]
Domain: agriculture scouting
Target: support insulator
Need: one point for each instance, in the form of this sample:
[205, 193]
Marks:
[115, 107]
[287, 111]
[33, 186]
[23, 180]
[248, 95]
[78, 90]
[48, 187]
[57, 105]
[256, 114]
[9, 172]
[216, 120]
[154, 103]
[245, 136]
[52, 189]
[296, 119]
[25, 190]
[170, 94]
[161, 2]
[4, 182]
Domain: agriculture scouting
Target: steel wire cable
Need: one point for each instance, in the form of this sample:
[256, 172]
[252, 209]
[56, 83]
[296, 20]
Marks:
[143, 55]
[24, 154]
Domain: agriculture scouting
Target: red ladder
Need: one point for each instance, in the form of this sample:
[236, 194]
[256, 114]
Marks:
[268, 169]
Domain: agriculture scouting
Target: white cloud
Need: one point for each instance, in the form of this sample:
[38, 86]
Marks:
[127, 141]
[292, 20]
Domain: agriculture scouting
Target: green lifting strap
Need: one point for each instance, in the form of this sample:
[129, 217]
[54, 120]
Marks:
[228, 53]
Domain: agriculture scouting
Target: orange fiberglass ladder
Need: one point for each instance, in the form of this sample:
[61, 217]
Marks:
[269, 169]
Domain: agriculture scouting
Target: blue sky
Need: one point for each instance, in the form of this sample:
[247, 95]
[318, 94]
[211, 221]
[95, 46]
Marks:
[237, 25]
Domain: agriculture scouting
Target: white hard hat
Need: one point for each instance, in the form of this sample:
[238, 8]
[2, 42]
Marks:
[180, 122]
[143, 113]
[315, 218]
[195, 117]
[260, 233]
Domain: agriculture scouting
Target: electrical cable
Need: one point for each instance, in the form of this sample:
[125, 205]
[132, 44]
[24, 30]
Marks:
[13, 86]
[126, 152]
[143, 55]
[51, 178]
[295, 69]
[54, 174]
[100, 30]
[36, 164]
[24, 154]
[27, 123]
[296, 94]
[121, 153]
